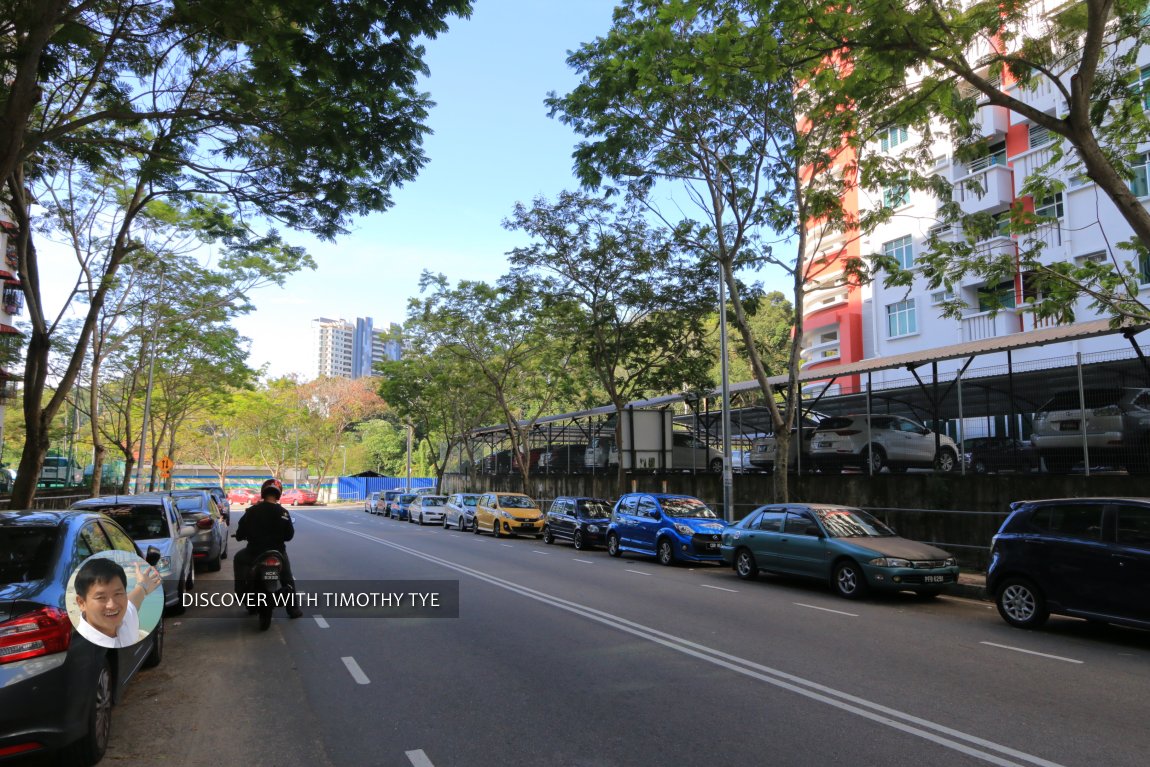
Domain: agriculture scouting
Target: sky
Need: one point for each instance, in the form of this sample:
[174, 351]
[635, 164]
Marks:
[493, 145]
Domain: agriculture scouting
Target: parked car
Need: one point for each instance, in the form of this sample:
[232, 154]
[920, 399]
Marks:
[299, 496]
[497, 463]
[61, 470]
[670, 527]
[845, 547]
[371, 502]
[896, 443]
[600, 454]
[424, 489]
[533, 456]
[1084, 557]
[507, 514]
[460, 511]
[388, 502]
[564, 459]
[198, 508]
[57, 691]
[401, 509]
[765, 448]
[688, 453]
[154, 524]
[221, 499]
[427, 508]
[243, 496]
[1117, 429]
[990, 455]
[583, 521]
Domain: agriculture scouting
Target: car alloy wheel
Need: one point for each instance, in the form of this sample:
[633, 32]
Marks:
[979, 467]
[876, 458]
[613, 545]
[577, 539]
[745, 565]
[945, 462]
[1021, 604]
[548, 538]
[849, 581]
[666, 553]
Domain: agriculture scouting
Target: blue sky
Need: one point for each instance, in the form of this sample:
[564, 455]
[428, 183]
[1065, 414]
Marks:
[493, 145]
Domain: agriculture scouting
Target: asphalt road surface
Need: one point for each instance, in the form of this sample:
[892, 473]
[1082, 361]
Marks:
[560, 657]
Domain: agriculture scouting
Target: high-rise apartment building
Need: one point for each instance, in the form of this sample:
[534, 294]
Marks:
[351, 350]
[844, 324]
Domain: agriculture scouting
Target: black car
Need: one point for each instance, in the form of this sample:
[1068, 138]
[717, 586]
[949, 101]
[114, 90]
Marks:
[583, 521]
[990, 455]
[57, 688]
[564, 459]
[1084, 557]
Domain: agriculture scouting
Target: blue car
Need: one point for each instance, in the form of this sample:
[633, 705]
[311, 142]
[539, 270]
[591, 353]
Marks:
[402, 510]
[672, 528]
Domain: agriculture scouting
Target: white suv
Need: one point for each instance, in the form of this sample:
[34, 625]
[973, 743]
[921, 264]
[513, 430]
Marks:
[895, 442]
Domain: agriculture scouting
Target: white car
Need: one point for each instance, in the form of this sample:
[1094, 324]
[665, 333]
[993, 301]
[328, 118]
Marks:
[895, 442]
[371, 503]
[427, 508]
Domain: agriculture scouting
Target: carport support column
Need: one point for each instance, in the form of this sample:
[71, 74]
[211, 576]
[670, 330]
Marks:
[1082, 416]
[961, 430]
[869, 442]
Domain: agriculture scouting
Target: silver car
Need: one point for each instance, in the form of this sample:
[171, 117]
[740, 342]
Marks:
[895, 443]
[427, 508]
[460, 511]
[1117, 429]
[764, 449]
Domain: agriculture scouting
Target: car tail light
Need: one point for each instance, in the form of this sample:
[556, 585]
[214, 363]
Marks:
[41, 632]
[205, 523]
[270, 562]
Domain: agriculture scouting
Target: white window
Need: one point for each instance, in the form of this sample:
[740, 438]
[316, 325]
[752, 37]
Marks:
[891, 137]
[1143, 87]
[941, 296]
[1050, 207]
[1098, 258]
[1140, 182]
[901, 250]
[895, 197]
[901, 319]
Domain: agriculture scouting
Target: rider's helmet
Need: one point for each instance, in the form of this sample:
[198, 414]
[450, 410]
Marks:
[271, 487]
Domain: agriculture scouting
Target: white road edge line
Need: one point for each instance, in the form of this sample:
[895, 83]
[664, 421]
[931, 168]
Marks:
[418, 758]
[940, 734]
[321, 622]
[1032, 652]
[584, 561]
[718, 588]
[508, 545]
[544, 553]
[355, 671]
[825, 609]
[638, 572]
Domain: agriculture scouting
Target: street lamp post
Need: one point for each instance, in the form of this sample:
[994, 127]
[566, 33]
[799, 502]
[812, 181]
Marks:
[728, 479]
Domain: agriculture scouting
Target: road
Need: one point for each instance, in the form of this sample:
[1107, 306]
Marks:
[561, 657]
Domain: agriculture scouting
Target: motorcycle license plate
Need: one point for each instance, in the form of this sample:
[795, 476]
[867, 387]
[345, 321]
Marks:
[271, 576]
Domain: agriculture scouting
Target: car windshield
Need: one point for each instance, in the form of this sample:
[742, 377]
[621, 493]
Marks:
[25, 553]
[433, 500]
[516, 502]
[140, 522]
[470, 500]
[407, 498]
[187, 504]
[1093, 398]
[852, 523]
[594, 509]
[831, 424]
[687, 507]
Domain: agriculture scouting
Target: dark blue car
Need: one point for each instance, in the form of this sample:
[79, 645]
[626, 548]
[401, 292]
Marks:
[402, 510]
[672, 528]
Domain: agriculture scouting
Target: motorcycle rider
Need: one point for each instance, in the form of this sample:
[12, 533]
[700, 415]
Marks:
[265, 526]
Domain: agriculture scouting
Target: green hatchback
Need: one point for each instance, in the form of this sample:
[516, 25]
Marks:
[844, 546]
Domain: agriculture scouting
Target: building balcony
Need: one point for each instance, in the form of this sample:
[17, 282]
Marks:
[819, 298]
[824, 352]
[976, 327]
[999, 246]
[985, 190]
[1054, 238]
[992, 121]
[1042, 95]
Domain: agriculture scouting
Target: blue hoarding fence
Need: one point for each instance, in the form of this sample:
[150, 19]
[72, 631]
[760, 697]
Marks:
[358, 488]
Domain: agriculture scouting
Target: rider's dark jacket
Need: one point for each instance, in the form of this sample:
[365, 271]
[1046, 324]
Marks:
[265, 526]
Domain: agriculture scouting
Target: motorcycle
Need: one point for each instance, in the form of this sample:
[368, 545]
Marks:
[264, 583]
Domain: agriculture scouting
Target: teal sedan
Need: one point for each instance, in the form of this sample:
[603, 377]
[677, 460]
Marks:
[846, 547]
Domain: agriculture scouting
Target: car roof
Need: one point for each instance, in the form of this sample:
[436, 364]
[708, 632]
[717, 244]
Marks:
[582, 498]
[36, 517]
[120, 500]
[1088, 499]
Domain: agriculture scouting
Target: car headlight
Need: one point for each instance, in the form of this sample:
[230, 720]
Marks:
[950, 562]
[684, 529]
[592, 528]
[505, 514]
[164, 566]
[890, 562]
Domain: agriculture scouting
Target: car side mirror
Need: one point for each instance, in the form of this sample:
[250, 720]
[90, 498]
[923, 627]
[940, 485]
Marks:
[653, 513]
[152, 557]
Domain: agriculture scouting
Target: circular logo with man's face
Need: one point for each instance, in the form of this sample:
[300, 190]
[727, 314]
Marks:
[115, 599]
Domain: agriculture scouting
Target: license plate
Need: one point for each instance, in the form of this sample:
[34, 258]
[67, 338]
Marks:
[823, 444]
[271, 576]
[712, 546]
[934, 579]
[1068, 426]
[528, 526]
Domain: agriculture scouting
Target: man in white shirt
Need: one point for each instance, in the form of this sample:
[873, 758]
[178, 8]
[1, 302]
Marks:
[110, 613]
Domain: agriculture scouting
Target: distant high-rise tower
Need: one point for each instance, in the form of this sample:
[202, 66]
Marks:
[347, 350]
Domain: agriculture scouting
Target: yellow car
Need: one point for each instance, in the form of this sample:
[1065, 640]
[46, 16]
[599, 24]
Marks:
[508, 514]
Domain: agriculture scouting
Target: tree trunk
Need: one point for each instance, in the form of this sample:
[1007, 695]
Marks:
[98, 448]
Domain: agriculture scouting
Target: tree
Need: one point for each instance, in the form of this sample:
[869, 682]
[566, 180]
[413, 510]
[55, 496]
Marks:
[718, 98]
[509, 339]
[954, 57]
[635, 306]
[304, 113]
[335, 406]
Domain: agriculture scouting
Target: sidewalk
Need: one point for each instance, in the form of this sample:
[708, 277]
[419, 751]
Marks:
[969, 586]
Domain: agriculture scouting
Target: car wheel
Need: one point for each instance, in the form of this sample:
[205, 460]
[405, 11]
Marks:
[445, 525]
[745, 565]
[214, 564]
[979, 467]
[578, 541]
[157, 653]
[1021, 604]
[495, 528]
[945, 461]
[548, 538]
[613, 545]
[665, 553]
[224, 553]
[91, 746]
[716, 465]
[848, 580]
[876, 458]
[476, 528]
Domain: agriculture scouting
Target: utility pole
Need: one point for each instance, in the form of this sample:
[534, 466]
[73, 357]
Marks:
[409, 430]
[728, 479]
[144, 424]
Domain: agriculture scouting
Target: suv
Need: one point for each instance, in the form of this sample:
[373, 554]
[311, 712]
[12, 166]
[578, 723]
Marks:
[1084, 557]
[763, 450]
[669, 527]
[583, 521]
[895, 442]
[1117, 429]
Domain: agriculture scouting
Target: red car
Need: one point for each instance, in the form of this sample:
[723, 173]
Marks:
[243, 496]
[298, 496]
